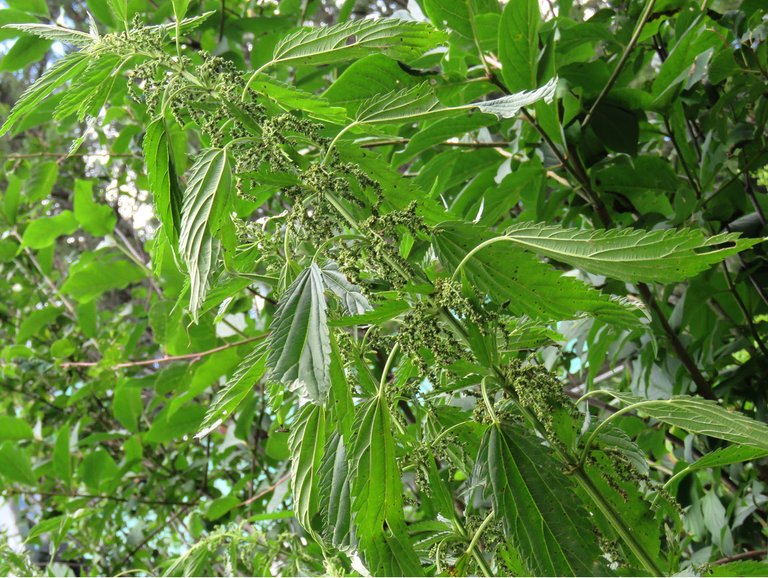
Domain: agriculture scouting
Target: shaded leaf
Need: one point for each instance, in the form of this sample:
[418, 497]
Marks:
[299, 347]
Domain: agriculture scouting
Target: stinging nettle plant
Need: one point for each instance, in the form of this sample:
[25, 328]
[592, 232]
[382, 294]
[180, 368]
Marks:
[410, 311]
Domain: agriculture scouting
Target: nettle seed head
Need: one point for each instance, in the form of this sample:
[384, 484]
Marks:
[540, 391]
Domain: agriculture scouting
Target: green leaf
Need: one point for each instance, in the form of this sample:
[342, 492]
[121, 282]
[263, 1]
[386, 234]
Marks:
[41, 181]
[55, 33]
[38, 7]
[440, 131]
[743, 568]
[699, 416]
[98, 470]
[14, 428]
[206, 201]
[15, 464]
[44, 231]
[421, 102]
[62, 459]
[119, 9]
[335, 515]
[299, 347]
[306, 443]
[88, 277]
[376, 486]
[458, 15]
[626, 498]
[60, 72]
[248, 373]
[355, 303]
[36, 321]
[366, 78]
[98, 220]
[183, 422]
[25, 51]
[163, 181]
[127, 406]
[537, 504]
[663, 256]
[180, 8]
[519, 44]
[291, 98]
[90, 90]
[513, 277]
[399, 39]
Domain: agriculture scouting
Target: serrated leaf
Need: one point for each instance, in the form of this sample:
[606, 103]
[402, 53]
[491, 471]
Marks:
[355, 303]
[306, 443]
[376, 486]
[206, 200]
[62, 71]
[299, 346]
[537, 504]
[632, 255]
[333, 487]
[397, 38]
[57, 33]
[699, 416]
[420, 102]
[163, 180]
[249, 372]
[90, 90]
[527, 286]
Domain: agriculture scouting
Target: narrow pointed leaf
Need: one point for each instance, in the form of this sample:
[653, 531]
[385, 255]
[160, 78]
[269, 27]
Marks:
[206, 200]
[306, 443]
[62, 71]
[163, 181]
[251, 369]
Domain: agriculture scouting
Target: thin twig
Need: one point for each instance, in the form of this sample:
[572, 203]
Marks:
[265, 491]
[742, 556]
[622, 61]
[168, 358]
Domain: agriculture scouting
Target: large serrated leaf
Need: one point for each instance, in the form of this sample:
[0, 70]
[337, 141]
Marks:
[420, 102]
[527, 286]
[63, 70]
[630, 254]
[163, 181]
[204, 208]
[538, 505]
[333, 485]
[251, 369]
[376, 486]
[355, 39]
[57, 33]
[299, 346]
[306, 443]
[699, 416]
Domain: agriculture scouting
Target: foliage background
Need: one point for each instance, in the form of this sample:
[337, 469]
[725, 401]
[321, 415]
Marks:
[105, 379]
